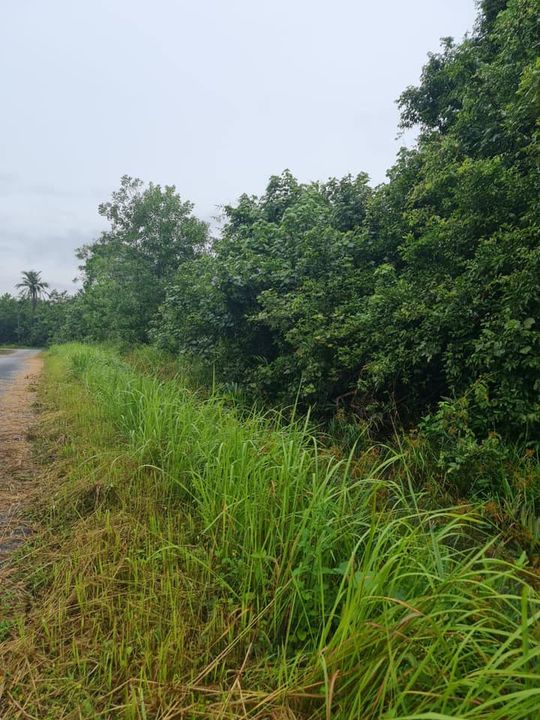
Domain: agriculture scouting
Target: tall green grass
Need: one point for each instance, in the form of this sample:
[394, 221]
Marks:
[238, 569]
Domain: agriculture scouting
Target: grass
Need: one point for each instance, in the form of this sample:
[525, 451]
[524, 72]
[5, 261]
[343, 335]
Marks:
[196, 561]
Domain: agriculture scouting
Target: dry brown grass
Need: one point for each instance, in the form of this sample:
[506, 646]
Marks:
[17, 479]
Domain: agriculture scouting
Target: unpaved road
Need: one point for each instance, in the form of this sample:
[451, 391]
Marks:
[18, 372]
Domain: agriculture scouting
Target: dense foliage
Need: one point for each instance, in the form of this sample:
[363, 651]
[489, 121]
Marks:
[125, 272]
[413, 302]
[421, 289]
[23, 322]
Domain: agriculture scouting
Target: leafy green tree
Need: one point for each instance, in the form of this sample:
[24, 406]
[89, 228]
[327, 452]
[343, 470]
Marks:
[416, 301]
[236, 305]
[193, 317]
[391, 300]
[9, 319]
[125, 272]
[20, 323]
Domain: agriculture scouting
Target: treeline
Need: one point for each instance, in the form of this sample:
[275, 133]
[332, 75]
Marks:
[26, 320]
[413, 302]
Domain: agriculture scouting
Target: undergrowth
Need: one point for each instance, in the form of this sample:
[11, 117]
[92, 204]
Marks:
[196, 561]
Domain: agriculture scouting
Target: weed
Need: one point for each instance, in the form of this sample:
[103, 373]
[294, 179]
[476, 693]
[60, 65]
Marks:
[199, 561]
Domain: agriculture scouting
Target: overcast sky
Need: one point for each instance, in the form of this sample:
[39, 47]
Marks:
[213, 96]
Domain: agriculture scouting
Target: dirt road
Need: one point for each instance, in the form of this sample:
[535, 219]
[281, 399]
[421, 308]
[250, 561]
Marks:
[18, 371]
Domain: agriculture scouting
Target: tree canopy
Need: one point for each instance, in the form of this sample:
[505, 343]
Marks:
[416, 301]
[126, 270]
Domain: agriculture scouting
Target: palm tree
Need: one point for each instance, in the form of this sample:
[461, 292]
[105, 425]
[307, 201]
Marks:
[32, 287]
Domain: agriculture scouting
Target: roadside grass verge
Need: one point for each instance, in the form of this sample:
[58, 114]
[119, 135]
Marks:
[200, 562]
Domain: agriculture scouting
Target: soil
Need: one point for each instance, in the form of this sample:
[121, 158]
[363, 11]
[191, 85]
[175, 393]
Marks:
[18, 483]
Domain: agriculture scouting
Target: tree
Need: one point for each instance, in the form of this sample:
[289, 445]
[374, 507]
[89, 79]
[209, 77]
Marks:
[392, 300]
[398, 297]
[9, 319]
[32, 287]
[125, 272]
[255, 305]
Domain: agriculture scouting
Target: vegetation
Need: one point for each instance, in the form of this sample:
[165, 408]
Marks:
[201, 562]
[32, 287]
[415, 302]
[372, 548]
[390, 300]
[23, 322]
[125, 272]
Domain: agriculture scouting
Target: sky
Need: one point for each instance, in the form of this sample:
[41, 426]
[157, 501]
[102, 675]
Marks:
[213, 96]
